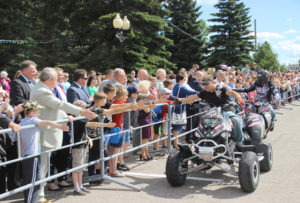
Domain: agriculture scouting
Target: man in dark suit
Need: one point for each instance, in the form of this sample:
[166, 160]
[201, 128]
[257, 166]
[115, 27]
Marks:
[78, 90]
[21, 86]
[19, 93]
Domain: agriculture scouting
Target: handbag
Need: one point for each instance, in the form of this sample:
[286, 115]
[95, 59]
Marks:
[178, 118]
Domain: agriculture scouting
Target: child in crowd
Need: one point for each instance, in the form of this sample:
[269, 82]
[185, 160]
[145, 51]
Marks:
[154, 93]
[144, 119]
[152, 89]
[161, 113]
[103, 108]
[94, 153]
[231, 85]
[30, 145]
[165, 126]
[79, 150]
[169, 85]
[130, 119]
[114, 148]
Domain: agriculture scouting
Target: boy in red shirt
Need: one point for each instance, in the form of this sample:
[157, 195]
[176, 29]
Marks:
[114, 148]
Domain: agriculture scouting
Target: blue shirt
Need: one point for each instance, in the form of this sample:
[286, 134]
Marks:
[27, 80]
[181, 91]
[30, 137]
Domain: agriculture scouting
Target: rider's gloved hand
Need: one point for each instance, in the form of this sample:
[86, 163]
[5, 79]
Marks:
[241, 101]
[177, 101]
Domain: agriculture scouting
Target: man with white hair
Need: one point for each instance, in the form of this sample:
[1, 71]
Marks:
[118, 80]
[54, 109]
[142, 75]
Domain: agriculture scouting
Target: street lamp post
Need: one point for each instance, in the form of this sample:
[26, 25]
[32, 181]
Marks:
[121, 25]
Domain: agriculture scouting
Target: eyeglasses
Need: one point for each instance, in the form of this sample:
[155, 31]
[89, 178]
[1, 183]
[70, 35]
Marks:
[205, 83]
[85, 78]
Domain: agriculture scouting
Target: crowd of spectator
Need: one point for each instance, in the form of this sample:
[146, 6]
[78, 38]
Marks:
[40, 98]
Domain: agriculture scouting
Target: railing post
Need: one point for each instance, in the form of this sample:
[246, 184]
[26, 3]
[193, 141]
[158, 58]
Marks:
[72, 132]
[169, 128]
[102, 148]
[18, 144]
[48, 163]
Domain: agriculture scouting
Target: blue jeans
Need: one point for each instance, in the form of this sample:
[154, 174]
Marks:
[237, 126]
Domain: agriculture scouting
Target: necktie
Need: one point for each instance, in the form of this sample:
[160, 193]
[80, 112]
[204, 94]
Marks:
[62, 88]
[30, 84]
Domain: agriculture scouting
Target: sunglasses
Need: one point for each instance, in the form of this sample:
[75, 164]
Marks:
[205, 83]
[85, 78]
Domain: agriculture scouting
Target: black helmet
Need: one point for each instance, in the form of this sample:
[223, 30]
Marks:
[262, 77]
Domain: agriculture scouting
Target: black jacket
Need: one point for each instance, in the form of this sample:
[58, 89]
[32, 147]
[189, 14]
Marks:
[20, 91]
[195, 84]
[272, 89]
[4, 138]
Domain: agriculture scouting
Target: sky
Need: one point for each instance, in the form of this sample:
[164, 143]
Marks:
[277, 22]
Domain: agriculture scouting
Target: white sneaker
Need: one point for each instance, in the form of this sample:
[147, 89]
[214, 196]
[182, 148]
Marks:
[85, 190]
[79, 192]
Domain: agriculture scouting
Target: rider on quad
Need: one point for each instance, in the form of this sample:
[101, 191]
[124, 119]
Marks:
[266, 91]
[216, 95]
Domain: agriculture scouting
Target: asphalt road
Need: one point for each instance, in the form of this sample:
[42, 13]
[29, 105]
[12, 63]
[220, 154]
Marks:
[281, 184]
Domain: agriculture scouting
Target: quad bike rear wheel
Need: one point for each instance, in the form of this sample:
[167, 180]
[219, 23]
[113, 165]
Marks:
[173, 168]
[249, 171]
[267, 162]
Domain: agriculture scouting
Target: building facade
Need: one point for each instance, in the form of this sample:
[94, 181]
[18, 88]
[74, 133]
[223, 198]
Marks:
[294, 67]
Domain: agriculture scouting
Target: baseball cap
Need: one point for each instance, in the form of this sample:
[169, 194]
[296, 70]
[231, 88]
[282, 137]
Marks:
[132, 89]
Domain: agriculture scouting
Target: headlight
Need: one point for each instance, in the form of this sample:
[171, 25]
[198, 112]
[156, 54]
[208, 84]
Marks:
[210, 122]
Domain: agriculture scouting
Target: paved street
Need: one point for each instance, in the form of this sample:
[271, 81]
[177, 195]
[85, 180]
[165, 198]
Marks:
[281, 184]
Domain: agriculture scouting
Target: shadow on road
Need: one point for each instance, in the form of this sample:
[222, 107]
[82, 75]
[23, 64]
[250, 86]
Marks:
[228, 188]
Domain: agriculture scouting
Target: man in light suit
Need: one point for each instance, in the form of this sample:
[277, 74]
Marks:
[60, 160]
[78, 90]
[54, 109]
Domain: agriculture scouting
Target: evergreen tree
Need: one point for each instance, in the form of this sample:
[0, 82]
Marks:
[266, 58]
[143, 47]
[189, 33]
[85, 33]
[40, 26]
[15, 25]
[231, 44]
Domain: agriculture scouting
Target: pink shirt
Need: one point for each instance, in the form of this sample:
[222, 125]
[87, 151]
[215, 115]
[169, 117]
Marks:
[5, 82]
[154, 92]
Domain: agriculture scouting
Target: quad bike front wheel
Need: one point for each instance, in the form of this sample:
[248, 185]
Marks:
[173, 168]
[249, 171]
[267, 162]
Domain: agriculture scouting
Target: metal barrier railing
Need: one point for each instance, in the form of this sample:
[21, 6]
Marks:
[102, 158]
[289, 96]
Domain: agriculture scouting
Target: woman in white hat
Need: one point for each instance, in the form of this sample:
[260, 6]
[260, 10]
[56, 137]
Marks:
[5, 81]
